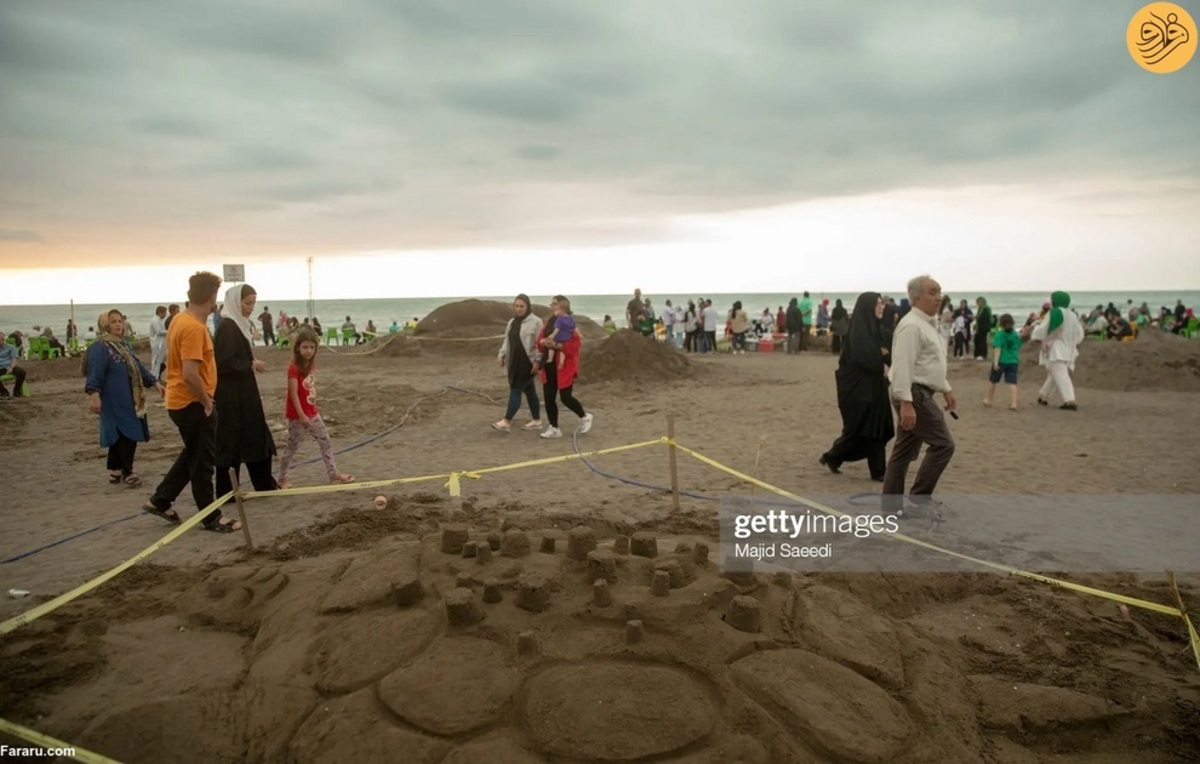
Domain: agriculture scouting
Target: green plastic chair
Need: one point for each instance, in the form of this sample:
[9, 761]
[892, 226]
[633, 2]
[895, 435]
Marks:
[331, 334]
[23, 392]
[347, 336]
[1192, 329]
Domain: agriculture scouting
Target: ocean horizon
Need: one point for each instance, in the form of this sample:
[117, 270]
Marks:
[383, 311]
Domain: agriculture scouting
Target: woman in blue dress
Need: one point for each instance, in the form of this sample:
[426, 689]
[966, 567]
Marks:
[116, 387]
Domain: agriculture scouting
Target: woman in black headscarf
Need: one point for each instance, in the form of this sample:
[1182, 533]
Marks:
[863, 392]
[839, 323]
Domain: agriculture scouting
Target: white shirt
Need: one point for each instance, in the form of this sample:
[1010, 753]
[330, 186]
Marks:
[680, 315]
[918, 356]
[668, 316]
[157, 328]
[1063, 343]
[709, 315]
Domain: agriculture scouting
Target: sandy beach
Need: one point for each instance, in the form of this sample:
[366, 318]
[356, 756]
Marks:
[346, 635]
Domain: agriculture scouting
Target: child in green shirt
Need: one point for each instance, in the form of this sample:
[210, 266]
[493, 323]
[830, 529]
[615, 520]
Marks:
[1005, 358]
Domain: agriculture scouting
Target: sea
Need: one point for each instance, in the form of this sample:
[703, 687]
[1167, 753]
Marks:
[384, 311]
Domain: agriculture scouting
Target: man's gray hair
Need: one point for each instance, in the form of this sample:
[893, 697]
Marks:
[917, 286]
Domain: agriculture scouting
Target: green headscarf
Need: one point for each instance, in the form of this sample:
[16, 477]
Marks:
[1058, 301]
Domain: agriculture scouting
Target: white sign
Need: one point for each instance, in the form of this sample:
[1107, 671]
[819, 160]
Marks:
[235, 274]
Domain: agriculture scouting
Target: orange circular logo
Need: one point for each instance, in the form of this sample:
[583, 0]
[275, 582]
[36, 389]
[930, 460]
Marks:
[1161, 37]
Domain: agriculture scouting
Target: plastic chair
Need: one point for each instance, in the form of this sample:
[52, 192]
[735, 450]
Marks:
[331, 334]
[1192, 329]
[347, 336]
[23, 392]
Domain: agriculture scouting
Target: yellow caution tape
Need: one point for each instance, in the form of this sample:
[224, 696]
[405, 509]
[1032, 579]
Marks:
[45, 741]
[455, 477]
[1144, 604]
[48, 607]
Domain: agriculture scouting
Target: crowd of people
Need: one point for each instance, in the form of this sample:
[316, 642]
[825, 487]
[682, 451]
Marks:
[892, 363]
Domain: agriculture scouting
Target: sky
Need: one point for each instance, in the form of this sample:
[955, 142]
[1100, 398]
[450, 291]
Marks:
[482, 147]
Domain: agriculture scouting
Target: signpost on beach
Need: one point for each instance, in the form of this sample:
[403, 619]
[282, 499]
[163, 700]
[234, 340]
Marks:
[235, 274]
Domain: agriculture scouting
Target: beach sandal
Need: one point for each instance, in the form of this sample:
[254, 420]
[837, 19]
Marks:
[502, 426]
[170, 515]
[1069, 407]
[341, 479]
[132, 480]
[114, 477]
[534, 425]
[1043, 402]
[284, 485]
[220, 527]
[988, 404]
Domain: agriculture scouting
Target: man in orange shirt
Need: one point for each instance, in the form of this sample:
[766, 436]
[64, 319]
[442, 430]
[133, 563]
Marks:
[191, 381]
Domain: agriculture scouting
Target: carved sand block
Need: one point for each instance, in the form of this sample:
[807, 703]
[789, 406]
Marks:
[661, 585]
[483, 553]
[743, 614]
[601, 594]
[461, 608]
[468, 549]
[634, 632]
[493, 540]
[527, 643]
[453, 538]
[643, 544]
[674, 571]
[533, 592]
[491, 591]
[514, 543]
[580, 541]
[601, 565]
[621, 545]
[700, 554]
[547, 545]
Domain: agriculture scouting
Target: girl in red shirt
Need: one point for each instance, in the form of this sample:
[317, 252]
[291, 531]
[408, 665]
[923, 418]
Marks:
[560, 342]
[302, 414]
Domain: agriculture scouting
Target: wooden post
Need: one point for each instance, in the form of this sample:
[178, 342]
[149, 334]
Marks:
[762, 441]
[671, 457]
[237, 496]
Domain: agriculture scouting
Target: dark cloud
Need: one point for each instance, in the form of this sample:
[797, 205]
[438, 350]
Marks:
[474, 116]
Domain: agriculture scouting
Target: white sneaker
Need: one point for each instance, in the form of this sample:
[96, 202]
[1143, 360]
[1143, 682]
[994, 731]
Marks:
[552, 432]
[585, 424]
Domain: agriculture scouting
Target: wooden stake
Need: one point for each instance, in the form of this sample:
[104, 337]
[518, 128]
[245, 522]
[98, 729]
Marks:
[237, 496]
[671, 457]
[757, 457]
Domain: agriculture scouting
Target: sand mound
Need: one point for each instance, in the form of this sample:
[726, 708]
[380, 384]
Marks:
[628, 355]
[486, 318]
[1156, 360]
[442, 636]
[398, 345]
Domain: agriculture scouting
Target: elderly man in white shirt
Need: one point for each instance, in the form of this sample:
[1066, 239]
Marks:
[918, 371]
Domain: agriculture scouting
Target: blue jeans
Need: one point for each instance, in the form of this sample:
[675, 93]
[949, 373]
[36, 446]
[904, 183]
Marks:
[514, 400]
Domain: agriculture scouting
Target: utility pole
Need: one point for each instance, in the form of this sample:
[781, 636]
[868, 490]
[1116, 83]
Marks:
[312, 304]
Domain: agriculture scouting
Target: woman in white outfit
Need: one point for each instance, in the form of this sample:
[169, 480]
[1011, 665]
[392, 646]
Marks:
[158, 341]
[1060, 333]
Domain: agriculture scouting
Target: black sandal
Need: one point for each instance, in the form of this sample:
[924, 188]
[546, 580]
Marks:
[170, 515]
[132, 480]
[220, 527]
[115, 477]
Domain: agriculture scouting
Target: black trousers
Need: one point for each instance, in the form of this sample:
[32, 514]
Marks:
[930, 430]
[268, 335]
[120, 455]
[260, 477]
[981, 344]
[550, 390]
[18, 378]
[195, 462]
[852, 448]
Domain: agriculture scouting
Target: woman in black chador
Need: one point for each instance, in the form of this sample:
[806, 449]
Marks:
[862, 388]
[243, 436]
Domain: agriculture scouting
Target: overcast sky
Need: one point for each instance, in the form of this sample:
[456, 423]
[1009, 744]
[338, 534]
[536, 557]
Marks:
[490, 146]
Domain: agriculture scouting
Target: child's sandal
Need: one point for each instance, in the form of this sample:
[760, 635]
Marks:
[341, 479]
